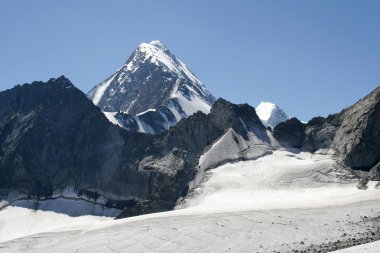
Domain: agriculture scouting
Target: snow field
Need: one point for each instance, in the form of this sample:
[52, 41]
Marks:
[280, 202]
[279, 181]
[17, 222]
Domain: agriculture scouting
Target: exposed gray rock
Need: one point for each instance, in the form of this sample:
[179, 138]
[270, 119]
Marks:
[353, 134]
[358, 136]
[194, 135]
[53, 138]
[290, 132]
[374, 173]
[320, 133]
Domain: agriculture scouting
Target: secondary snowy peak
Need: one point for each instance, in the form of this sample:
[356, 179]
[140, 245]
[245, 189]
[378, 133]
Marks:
[271, 114]
[149, 79]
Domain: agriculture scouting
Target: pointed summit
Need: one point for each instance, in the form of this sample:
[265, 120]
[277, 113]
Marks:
[154, 45]
[157, 43]
[152, 78]
[271, 114]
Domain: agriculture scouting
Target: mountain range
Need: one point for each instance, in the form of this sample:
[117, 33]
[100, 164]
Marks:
[145, 138]
[154, 90]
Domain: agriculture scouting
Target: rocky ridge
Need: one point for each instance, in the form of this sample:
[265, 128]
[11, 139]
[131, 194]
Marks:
[353, 135]
[53, 139]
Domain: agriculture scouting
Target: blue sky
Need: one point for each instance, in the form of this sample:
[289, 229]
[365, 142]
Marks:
[310, 57]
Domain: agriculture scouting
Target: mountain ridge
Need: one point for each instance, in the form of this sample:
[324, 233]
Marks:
[352, 135]
[53, 137]
[70, 146]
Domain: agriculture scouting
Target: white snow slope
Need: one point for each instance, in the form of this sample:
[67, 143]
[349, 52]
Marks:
[280, 180]
[280, 202]
[99, 93]
[17, 222]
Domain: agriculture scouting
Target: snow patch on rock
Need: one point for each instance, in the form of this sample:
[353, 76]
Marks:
[99, 93]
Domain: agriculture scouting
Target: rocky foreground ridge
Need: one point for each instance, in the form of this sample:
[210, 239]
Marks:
[353, 134]
[53, 137]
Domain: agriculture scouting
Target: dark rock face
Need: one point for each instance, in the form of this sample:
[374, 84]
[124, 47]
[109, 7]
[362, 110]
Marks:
[353, 134]
[193, 135]
[291, 132]
[200, 130]
[241, 117]
[320, 133]
[358, 137]
[53, 137]
[374, 173]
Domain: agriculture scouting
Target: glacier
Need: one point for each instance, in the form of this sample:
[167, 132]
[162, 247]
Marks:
[283, 201]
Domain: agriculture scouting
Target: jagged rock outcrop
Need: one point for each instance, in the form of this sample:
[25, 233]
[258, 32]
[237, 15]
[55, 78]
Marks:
[290, 132]
[55, 143]
[195, 135]
[320, 133]
[358, 136]
[52, 137]
[374, 173]
[353, 134]
[223, 115]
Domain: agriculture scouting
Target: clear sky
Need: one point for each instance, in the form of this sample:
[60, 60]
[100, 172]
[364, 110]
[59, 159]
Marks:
[309, 57]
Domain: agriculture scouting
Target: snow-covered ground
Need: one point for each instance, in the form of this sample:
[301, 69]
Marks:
[278, 203]
[17, 222]
[277, 181]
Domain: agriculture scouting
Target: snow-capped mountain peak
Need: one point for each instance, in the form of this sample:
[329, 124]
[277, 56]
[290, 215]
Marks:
[157, 53]
[156, 43]
[271, 114]
[152, 78]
